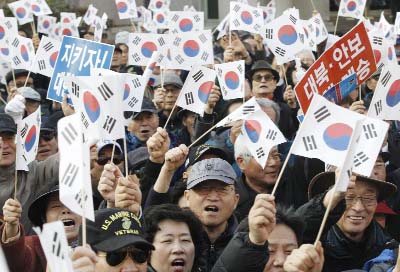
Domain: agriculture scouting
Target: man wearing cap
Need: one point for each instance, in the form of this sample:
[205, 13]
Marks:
[48, 144]
[116, 237]
[351, 235]
[211, 195]
[24, 102]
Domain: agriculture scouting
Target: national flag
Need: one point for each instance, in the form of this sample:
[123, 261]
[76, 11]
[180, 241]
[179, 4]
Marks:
[341, 90]
[325, 132]
[385, 103]
[5, 53]
[231, 79]
[148, 24]
[67, 17]
[22, 11]
[69, 29]
[8, 28]
[261, 134]
[133, 92]
[155, 5]
[148, 74]
[321, 32]
[4, 69]
[142, 45]
[397, 24]
[352, 8]
[187, 49]
[141, 10]
[90, 14]
[45, 23]
[249, 107]
[269, 11]
[54, 31]
[3, 261]
[310, 37]
[98, 99]
[74, 174]
[46, 58]
[245, 17]
[160, 18]
[22, 52]
[223, 27]
[99, 26]
[126, 9]
[28, 130]
[55, 246]
[40, 7]
[284, 37]
[388, 30]
[196, 89]
[384, 51]
[189, 8]
[185, 21]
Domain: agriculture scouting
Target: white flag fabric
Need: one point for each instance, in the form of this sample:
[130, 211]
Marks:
[223, 27]
[133, 92]
[143, 45]
[185, 21]
[99, 26]
[397, 24]
[4, 69]
[3, 261]
[126, 9]
[388, 30]
[261, 134]
[269, 11]
[5, 53]
[22, 11]
[160, 18]
[148, 76]
[196, 89]
[40, 7]
[245, 17]
[55, 246]
[69, 29]
[2, 13]
[159, 5]
[22, 52]
[284, 37]
[99, 101]
[352, 8]
[321, 32]
[384, 52]
[45, 23]
[8, 28]
[325, 132]
[240, 113]
[74, 174]
[189, 8]
[28, 130]
[310, 37]
[67, 17]
[90, 14]
[385, 103]
[54, 31]
[231, 79]
[46, 56]
[190, 48]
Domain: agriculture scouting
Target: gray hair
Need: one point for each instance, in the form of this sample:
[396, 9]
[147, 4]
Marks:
[266, 103]
[241, 149]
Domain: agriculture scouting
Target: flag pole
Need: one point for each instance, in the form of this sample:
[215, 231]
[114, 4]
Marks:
[313, 6]
[202, 135]
[15, 184]
[13, 75]
[281, 172]
[112, 154]
[126, 159]
[83, 217]
[359, 92]
[170, 114]
[337, 20]
[33, 27]
[284, 74]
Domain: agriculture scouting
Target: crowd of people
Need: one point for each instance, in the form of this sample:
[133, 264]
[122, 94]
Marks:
[208, 207]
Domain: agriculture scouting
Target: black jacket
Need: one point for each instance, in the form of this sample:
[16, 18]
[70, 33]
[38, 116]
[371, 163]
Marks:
[242, 255]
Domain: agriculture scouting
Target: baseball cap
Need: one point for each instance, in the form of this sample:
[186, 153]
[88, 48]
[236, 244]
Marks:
[211, 169]
[196, 152]
[7, 124]
[51, 123]
[122, 37]
[147, 106]
[17, 73]
[169, 79]
[103, 143]
[114, 229]
[137, 158]
[30, 93]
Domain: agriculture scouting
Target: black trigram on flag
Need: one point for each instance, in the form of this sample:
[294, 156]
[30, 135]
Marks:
[293, 19]
[236, 23]
[360, 158]
[175, 17]
[260, 152]
[132, 102]
[271, 134]
[317, 20]
[203, 38]
[377, 40]
[269, 33]
[189, 98]
[236, 8]
[204, 56]
[136, 40]
[109, 124]
[177, 41]
[70, 173]
[16, 60]
[8, 24]
[386, 78]
[15, 42]
[136, 83]
[75, 89]
[198, 75]
[280, 51]
[24, 130]
[240, 68]
[378, 107]
[56, 246]
[179, 59]
[196, 18]
[309, 143]
[321, 114]
[48, 46]
[42, 65]
[69, 133]
[247, 109]
[79, 197]
[84, 121]
[161, 41]
[257, 27]
[105, 91]
[369, 131]
[256, 13]
[136, 57]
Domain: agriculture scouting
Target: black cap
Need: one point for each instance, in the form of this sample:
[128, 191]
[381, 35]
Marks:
[17, 73]
[7, 124]
[196, 152]
[51, 123]
[262, 65]
[147, 106]
[38, 207]
[137, 158]
[114, 229]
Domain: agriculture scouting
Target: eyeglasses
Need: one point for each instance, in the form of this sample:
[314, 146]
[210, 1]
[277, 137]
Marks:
[275, 157]
[117, 257]
[258, 78]
[205, 190]
[366, 201]
[47, 136]
[103, 160]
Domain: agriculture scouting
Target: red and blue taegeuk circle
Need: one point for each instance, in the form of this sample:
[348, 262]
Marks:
[204, 91]
[92, 106]
[30, 138]
[337, 136]
[191, 48]
[232, 80]
[287, 35]
[253, 130]
[393, 95]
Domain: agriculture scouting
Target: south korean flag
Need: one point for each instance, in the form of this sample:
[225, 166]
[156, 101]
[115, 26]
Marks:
[160, 19]
[90, 14]
[385, 103]
[22, 52]
[284, 37]
[190, 48]
[310, 38]
[69, 29]
[46, 58]
[321, 33]
[196, 89]
[269, 11]
[74, 174]
[142, 45]
[40, 7]
[22, 11]
[185, 21]
[133, 92]
[155, 5]
[352, 8]
[245, 17]
[126, 9]
[8, 28]
[249, 107]
[45, 23]
[384, 52]
[231, 79]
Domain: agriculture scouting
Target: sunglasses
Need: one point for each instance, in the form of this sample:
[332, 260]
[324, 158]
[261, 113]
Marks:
[116, 160]
[258, 78]
[47, 136]
[117, 257]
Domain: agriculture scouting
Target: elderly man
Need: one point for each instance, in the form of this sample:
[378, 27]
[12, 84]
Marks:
[351, 235]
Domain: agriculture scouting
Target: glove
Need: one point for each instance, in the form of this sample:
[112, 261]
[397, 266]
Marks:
[16, 107]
